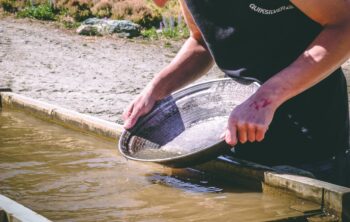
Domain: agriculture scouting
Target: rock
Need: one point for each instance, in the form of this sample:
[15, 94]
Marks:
[89, 30]
[95, 26]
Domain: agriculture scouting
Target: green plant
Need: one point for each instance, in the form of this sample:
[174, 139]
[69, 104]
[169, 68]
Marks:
[150, 33]
[176, 33]
[42, 12]
[174, 29]
[70, 25]
[69, 13]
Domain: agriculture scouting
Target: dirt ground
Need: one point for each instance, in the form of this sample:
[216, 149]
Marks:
[92, 75]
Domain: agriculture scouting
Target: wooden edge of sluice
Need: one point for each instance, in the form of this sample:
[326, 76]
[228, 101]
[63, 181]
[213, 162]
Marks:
[331, 198]
[61, 115]
[11, 211]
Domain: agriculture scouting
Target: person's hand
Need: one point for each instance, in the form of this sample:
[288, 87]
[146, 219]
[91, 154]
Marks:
[139, 107]
[249, 121]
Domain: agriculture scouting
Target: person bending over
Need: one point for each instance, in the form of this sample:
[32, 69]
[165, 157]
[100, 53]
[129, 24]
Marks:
[299, 116]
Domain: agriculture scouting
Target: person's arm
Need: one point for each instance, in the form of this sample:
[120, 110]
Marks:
[331, 48]
[192, 61]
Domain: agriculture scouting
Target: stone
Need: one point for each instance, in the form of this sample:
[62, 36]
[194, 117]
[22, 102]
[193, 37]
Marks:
[89, 30]
[99, 27]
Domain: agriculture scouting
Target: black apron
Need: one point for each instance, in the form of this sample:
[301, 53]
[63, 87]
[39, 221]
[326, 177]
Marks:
[255, 39]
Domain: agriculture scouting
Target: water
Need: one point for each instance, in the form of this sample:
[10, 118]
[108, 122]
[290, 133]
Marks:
[153, 154]
[68, 176]
[199, 135]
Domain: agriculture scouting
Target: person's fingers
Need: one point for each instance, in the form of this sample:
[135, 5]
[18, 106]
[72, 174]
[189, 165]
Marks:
[242, 132]
[260, 133]
[231, 135]
[132, 119]
[127, 112]
[223, 135]
[251, 132]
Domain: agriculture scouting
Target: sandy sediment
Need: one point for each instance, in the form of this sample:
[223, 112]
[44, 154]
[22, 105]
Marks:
[93, 75]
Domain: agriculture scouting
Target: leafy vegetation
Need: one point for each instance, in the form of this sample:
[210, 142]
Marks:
[42, 12]
[168, 29]
[157, 23]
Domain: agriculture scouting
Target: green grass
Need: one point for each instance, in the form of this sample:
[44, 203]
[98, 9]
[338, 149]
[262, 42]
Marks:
[178, 32]
[41, 12]
[70, 25]
[150, 33]
[68, 15]
[175, 33]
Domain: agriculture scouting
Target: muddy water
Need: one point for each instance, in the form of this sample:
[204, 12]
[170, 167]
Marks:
[199, 135]
[67, 176]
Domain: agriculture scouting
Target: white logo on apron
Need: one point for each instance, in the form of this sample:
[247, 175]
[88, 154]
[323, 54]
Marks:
[264, 11]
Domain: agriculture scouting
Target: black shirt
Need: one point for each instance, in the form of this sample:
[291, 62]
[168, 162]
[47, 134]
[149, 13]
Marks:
[255, 39]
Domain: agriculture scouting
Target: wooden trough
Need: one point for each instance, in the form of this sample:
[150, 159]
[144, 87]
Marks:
[325, 201]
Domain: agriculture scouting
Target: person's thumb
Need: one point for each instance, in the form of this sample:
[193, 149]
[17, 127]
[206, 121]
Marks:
[130, 122]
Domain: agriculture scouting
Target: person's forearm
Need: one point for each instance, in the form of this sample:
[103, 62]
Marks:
[192, 61]
[327, 52]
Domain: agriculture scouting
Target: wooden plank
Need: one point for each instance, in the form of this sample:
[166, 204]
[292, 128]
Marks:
[18, 213]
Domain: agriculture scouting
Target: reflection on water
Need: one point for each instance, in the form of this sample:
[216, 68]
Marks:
[68, 176]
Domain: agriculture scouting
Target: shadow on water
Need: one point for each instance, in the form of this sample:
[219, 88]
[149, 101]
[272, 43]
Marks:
[194, 181]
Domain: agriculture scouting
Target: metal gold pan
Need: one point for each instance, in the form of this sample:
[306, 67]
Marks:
[192, 118]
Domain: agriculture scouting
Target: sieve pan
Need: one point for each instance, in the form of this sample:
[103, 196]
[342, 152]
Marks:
[184, 129]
